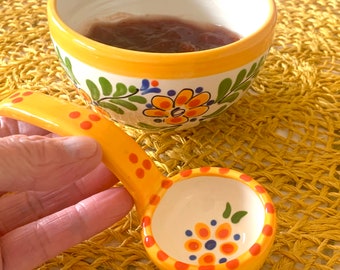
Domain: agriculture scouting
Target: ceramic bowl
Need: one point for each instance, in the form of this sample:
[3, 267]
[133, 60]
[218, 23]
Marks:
[157, 91]
[233, 229]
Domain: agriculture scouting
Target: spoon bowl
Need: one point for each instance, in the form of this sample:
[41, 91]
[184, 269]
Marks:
[222, 217]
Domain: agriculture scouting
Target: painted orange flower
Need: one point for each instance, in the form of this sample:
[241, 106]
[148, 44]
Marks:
[206, 242]
[213, 243]
[185, 106]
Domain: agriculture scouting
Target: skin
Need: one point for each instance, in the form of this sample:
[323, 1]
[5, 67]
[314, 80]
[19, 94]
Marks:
[54, 193]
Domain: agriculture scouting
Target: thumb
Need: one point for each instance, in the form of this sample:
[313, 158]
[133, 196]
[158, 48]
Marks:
[40, 163]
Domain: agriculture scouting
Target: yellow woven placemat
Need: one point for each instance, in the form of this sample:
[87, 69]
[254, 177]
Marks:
[285, 133]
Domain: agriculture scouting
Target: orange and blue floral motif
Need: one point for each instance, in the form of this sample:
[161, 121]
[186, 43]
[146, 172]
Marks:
[186, 106]
[205, 241]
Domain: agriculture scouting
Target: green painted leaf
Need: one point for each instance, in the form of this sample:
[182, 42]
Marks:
[106, 86]
[223, 89]
[138, 99]
[133, 89]
[238, 216]
[95, 93]
[230, 98]
[70, 71]
[240, 77]
[112, 107]
[68, 63]
[252, 69]
[261, 62]
[257, 69]
[58, 54]
[121, 90]
[227, 211]
[218, 112]
[124, 103]
[243, 86]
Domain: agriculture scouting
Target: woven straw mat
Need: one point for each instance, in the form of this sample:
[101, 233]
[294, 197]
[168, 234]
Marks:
[285, 133]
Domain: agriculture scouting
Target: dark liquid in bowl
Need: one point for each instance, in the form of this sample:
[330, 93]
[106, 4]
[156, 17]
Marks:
[161, 34]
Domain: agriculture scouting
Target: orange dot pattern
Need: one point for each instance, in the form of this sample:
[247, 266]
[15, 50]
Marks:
[86, 122]
[144, 165]
[19, 96]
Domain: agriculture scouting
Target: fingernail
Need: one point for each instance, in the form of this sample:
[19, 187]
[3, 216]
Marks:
[81, 146]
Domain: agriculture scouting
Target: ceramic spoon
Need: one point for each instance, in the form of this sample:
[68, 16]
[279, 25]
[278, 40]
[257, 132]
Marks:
[205, 218]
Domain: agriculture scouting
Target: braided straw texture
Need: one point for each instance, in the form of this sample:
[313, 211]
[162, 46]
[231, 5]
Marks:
[285, 133]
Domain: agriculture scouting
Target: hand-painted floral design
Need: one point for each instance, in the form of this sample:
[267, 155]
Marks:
[205, 240]
[116, 97]
[184, 107]
[149, 87]
[162, 108]
[230, 90]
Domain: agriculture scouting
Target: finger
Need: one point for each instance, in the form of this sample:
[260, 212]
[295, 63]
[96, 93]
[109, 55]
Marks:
[19, 209]
[40, 163]
[44, 239]
[10, 126]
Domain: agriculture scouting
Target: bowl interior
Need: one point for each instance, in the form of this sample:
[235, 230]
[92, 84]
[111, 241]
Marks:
[208, 219]
[241, 16]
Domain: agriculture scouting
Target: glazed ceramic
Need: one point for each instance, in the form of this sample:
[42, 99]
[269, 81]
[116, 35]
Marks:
[222, 219]
[205, 218]
[157, 91]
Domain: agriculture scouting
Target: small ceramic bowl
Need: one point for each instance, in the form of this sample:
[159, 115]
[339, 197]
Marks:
[157, 91]
[226, 221]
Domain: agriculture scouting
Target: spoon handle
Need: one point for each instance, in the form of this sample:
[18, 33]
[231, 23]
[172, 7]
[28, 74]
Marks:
[121, 154]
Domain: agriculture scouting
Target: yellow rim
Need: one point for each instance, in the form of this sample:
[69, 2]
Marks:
[158, 65]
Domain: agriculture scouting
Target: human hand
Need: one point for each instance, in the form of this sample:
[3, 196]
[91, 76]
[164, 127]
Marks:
[60, 194]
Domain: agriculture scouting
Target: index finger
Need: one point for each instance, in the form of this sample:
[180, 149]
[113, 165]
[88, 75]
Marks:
[10, 127]
[41, 240]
